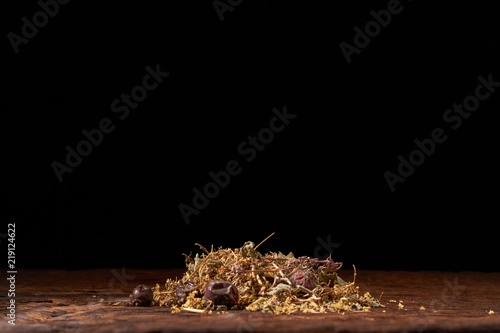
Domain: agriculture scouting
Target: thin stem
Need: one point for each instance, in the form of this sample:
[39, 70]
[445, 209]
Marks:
[264, 240]
[199, 266]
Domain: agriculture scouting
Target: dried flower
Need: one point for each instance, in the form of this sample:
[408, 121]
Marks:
[183, 290]
[303, 278]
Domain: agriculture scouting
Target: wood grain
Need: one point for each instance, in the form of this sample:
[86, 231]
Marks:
[68, 301]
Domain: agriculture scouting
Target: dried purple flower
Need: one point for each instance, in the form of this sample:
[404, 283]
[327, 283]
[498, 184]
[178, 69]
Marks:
[303, 278]
[183, 290]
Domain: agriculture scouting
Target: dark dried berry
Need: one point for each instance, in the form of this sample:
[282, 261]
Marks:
[142, 295]
[183, 290]
[222, 292]
[303, 278]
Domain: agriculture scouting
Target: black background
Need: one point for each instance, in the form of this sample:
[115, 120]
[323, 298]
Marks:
[321, 177]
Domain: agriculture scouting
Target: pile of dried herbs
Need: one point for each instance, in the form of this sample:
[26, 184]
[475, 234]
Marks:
[271, 282]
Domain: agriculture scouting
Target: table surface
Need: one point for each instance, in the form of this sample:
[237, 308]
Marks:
[68, 301]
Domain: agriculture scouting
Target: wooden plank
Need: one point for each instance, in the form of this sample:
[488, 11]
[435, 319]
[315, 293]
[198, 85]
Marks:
[68, 301]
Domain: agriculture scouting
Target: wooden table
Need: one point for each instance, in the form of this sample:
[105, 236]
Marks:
[68, 301]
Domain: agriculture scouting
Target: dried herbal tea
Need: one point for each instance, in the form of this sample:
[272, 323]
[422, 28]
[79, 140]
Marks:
[244, 279]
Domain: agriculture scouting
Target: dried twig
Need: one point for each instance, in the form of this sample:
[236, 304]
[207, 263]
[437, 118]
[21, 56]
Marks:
[264, 240]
